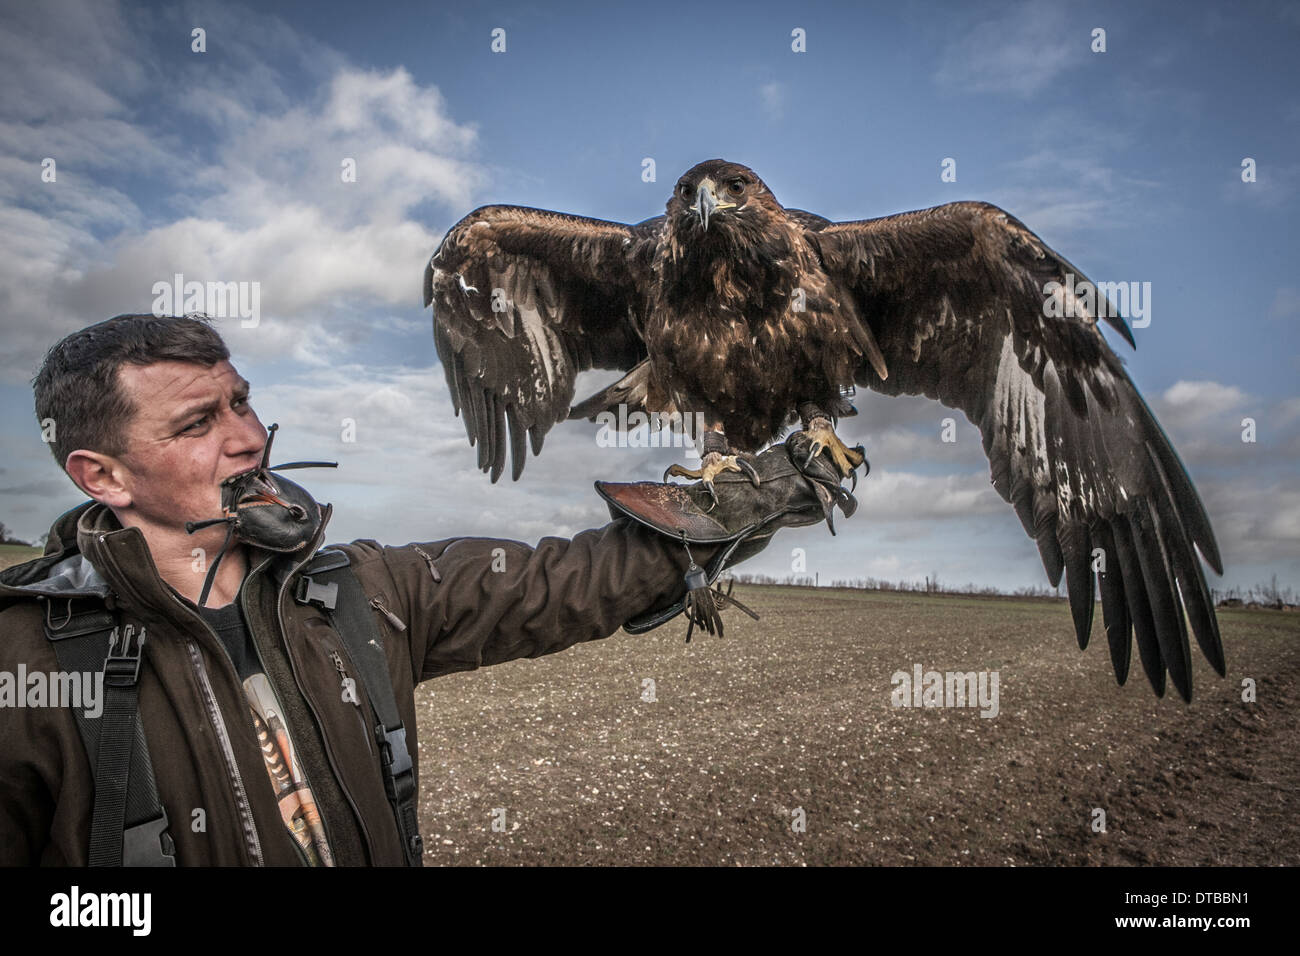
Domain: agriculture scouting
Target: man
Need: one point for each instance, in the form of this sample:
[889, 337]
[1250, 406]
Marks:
[253, 701]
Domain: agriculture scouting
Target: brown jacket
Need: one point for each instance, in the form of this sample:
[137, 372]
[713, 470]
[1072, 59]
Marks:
[196, 718]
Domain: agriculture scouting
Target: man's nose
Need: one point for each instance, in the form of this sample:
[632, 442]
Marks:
[249, 436]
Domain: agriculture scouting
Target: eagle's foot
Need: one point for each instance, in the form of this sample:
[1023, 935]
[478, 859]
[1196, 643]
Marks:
[823, 436]
[712, 465]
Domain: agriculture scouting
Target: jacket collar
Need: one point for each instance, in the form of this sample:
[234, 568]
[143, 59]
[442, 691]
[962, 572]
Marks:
[61, 571]
[89, 554]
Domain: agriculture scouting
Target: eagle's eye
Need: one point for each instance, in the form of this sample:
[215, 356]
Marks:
[685, 190]
[737, 186]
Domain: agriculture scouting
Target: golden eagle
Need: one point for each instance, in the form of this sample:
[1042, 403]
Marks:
[731, 305]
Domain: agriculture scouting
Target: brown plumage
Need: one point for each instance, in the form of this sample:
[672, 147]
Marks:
[701, 306]
[742, 322]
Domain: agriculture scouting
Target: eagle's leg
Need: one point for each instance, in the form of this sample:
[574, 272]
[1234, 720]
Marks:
[717, 458]
[819, 428]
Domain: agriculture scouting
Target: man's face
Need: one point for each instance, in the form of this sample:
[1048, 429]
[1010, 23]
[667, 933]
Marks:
[192, 429]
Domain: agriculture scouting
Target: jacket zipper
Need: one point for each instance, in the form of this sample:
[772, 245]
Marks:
[227, 752]
[393, 619]
[325, 743]
[356, 702]
[251, 839]
[437, 578]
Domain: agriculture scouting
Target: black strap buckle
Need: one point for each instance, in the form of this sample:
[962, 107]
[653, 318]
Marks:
[323, 595]
[122, 665]
[399, 780]
[148, 844]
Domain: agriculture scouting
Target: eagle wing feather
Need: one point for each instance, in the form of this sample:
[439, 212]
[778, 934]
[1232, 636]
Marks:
[956, 298]
[523, 300]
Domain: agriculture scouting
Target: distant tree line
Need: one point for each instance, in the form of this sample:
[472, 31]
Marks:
[7, 538]
[1261, 595]
[931, 585]
[1268, 595]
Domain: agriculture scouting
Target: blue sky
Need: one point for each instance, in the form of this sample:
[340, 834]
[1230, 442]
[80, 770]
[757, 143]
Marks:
[223, 165]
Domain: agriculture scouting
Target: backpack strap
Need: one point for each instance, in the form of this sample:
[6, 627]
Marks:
[128, 824]
[328, 583]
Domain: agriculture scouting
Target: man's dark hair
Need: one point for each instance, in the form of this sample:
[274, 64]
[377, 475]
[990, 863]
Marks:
[77, 386]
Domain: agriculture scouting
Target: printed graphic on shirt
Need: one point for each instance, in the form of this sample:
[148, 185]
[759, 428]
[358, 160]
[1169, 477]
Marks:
[297, 805]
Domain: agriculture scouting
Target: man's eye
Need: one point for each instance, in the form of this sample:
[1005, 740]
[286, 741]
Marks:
[197, 423]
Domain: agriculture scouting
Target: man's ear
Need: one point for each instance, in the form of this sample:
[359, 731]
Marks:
[100, 476]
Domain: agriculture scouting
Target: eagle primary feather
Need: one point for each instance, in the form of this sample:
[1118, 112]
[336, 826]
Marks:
[945, 302]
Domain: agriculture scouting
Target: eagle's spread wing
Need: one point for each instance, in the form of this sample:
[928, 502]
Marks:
[523, 300]
[809, 220]
[955, 297]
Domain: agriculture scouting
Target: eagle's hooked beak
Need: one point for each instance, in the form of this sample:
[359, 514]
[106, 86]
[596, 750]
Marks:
[706, 202]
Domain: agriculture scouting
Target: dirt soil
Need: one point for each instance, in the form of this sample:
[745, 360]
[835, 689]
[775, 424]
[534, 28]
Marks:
[563, 759]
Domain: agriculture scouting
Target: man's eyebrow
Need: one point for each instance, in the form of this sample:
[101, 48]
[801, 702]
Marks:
[240, 391]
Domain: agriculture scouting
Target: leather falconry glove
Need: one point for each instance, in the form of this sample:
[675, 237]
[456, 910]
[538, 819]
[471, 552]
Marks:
[793, 491]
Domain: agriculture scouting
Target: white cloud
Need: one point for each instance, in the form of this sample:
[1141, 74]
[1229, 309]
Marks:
[1019, 51]
[266, 203]
[64, 60]
[1289, 410]
[279, 214]
[1204, 396]
[773, 97]
[1207, 429]
[1066, 192]
[1255, 522]
[1193, 406]
[910, 497]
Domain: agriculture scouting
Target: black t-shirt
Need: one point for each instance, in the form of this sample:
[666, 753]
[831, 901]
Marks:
[297, 804]
[229, 624]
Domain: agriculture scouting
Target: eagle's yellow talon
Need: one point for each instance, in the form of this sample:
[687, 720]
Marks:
[712, 465]
[682, 471]
[823, 436]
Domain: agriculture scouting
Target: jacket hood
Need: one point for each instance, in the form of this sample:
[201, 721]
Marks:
[63, 570]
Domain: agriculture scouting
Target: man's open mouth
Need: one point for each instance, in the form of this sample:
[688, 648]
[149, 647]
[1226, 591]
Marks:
[239, 474]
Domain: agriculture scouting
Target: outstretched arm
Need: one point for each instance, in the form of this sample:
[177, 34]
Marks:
[498, 600]
[465, 602]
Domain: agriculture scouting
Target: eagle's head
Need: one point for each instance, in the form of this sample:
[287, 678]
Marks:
[718, 195]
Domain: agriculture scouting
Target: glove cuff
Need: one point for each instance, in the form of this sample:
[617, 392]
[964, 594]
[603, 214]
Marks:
[699, 583]
[790, 488]
[670, 511]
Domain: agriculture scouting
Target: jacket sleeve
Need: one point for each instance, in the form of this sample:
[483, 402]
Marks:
[498, 600]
